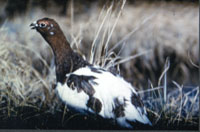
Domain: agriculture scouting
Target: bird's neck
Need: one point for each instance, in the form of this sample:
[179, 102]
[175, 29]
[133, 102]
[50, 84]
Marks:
[66, 59]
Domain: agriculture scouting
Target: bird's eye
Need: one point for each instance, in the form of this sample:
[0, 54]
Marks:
[42, 25]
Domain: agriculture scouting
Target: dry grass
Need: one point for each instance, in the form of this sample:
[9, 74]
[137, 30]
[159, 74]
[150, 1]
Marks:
[140, 39]
[21, 84]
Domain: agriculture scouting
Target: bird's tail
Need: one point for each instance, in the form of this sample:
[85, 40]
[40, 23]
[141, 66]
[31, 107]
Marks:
[134, 116]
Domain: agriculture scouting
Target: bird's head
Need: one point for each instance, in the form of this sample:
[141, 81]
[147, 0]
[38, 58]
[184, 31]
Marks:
[52, 33]
[45, 26]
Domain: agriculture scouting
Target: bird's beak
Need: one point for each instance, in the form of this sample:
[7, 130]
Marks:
[34, 25]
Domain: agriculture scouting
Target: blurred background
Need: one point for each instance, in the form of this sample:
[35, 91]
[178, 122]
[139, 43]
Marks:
[163, 33]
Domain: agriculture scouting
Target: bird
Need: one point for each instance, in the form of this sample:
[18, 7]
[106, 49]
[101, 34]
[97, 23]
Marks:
[88, 88]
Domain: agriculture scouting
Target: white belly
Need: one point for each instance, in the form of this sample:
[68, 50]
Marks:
[72, 97]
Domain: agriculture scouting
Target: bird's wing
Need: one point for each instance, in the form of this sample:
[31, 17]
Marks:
[81, 83]
[101, 92]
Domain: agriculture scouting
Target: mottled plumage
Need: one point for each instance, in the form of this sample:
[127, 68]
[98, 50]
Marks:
[87, 88]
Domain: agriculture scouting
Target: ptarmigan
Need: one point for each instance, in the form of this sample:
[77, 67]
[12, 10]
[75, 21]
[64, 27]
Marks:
[87, 88]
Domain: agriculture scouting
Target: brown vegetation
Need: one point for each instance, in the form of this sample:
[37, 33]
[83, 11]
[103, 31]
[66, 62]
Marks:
[147, 34]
